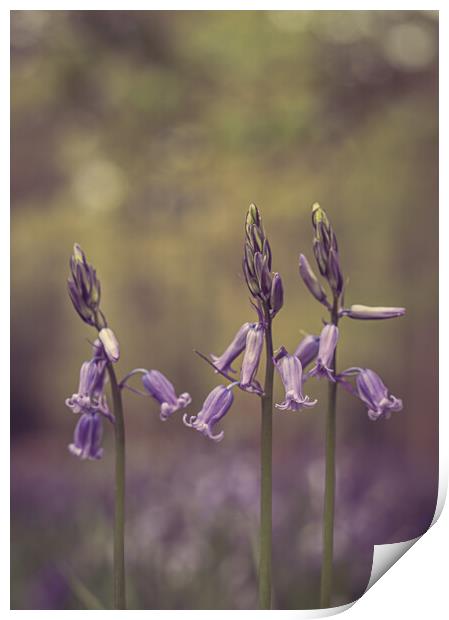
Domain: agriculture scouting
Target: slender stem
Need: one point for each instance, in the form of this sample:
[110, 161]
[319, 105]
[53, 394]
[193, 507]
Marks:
[329, 490]
[266, 477]
[119, 523]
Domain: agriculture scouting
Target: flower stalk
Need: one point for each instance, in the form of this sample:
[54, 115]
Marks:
[266, 478]
[119, 520]
[369, 386]
[329, 484]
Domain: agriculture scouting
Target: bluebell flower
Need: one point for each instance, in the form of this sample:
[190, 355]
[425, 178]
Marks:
[90, 397]
[251, 358]
[215, 406]
[87, 437]
[328, 342]
[290, 370]
[162, 390]
[224, 361]
[307, 349]
[374, 393]
[90, 401]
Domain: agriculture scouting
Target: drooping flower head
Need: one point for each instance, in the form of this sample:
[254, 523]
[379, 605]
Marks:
[162, 390]
[307, 349]
[325, 248]
[216, 405]
[84, 288]
[90, 401]
[326, 350]
[251, 358]
[290, 370]
[264, 286]
[374, 393]
[224, 361]
[87, 437]
[90, 397]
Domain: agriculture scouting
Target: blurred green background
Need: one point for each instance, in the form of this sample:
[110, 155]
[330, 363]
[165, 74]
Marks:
[144, 136]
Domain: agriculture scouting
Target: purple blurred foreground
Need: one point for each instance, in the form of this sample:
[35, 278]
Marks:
[192, 522]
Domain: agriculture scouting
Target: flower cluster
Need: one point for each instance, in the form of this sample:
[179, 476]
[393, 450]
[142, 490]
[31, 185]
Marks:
[368, 385]
[265, 287]
[90, 401]
[267, 298]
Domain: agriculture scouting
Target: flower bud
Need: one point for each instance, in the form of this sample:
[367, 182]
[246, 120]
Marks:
[311, 281]
[83, 286]
[357, 311]
[335, 276]
[110, 344]
[263, 275]
[307, 349]
[253, 216]
[277, 294]
[257, 257]
[325, 249]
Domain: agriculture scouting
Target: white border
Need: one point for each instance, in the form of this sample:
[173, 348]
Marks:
[417, 584]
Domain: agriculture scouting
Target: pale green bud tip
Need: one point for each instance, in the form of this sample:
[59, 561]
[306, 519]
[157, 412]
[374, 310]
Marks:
[253, 216]
[110, 344]
[78, 253]
[319, 214]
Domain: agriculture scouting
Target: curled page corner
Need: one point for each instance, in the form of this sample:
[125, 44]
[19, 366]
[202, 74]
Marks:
[322, 613]
[385, 556]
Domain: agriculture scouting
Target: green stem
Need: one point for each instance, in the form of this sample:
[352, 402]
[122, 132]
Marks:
[329, 490]
[119, 523]
[266, 477]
